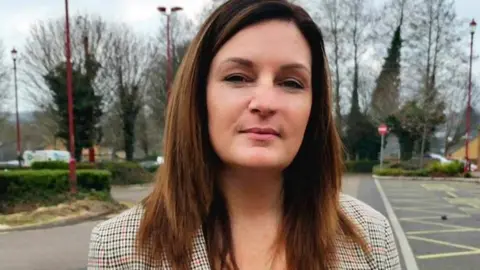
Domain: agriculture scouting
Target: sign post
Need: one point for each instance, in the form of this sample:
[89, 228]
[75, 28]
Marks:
[382, 130]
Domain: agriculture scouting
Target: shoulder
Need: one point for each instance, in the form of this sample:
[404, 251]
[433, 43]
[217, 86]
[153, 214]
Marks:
[123, 225]
[112, 242]
[376, 230]
[361, 213]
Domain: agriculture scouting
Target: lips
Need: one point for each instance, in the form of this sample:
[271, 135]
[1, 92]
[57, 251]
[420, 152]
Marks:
[262, 131]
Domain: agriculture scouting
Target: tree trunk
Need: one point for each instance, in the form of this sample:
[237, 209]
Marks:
[129, 135]
[338, 110]
[422, 149]
[78, 153]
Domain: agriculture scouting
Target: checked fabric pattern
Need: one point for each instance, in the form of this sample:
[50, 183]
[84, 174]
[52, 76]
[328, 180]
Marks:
[112, 243]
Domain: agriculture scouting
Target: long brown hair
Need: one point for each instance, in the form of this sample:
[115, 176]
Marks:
[186, 198]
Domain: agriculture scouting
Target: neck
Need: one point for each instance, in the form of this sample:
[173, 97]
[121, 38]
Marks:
[252, 194]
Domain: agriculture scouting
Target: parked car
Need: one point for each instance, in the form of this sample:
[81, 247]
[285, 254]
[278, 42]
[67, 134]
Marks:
[444, 160]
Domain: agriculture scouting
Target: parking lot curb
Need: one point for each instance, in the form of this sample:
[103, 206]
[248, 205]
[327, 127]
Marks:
[59, 223]
[414, 178]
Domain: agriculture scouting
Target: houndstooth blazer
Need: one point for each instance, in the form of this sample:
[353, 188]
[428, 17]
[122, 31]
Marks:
[112, 243]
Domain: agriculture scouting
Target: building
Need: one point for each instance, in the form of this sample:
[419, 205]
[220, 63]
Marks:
[473, 148]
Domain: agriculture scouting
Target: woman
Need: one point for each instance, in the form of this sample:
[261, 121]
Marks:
[253, 163]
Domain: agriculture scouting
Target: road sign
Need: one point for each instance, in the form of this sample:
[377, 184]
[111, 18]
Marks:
[383, 129]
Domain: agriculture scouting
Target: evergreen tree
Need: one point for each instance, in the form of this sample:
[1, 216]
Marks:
[386, 94]
[86, 104]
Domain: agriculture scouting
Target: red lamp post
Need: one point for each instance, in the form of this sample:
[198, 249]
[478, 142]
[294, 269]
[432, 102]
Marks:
[168, 12]
[72, 166]
[473, 26]
[19, 144]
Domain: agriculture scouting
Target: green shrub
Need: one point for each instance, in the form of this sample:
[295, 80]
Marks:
[123, 173]
[47, 186]
[435, 169]
[49, 165]
[447, 169]
[151, 169]
[361, 166]
[419, 172]
[60, 165]
[388, 172]
[405, 165]
[126, 173]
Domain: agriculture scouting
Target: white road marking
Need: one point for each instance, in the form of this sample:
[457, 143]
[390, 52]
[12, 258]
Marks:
[408, 256]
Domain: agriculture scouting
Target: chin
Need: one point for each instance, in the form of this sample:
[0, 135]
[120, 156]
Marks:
[260, 161]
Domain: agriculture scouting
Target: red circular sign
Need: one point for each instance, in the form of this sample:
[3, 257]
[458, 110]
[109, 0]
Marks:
[382, 129]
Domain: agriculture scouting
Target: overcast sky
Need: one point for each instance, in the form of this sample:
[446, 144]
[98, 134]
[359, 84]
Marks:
[17, 16]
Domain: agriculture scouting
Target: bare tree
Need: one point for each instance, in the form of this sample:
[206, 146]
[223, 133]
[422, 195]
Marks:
[45, 48]
[126, 69]
[4, 85]
[432, 46]
[333, 17]
[454, 128]
[208, 8]
[182, 33]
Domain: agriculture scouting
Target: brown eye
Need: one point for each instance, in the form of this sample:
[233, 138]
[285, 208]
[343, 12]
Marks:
[292, 84]
[236, 78]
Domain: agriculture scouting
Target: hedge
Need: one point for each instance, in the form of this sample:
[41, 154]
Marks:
[47, 186]
[126, 173]
[435, 169]
[59, 165]
[123, 173]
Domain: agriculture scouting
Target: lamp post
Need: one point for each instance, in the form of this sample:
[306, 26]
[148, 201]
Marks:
[19, 144]
[72, 166]
[473, 26]
[168, 12]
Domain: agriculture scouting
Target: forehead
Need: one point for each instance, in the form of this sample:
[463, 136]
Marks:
[274, 41]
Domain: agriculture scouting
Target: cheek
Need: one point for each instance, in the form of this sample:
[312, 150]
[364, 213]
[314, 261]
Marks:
[221, 114]
[300, 113]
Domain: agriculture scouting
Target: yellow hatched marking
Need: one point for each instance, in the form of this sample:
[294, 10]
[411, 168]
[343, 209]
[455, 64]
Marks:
[438, 187]
[433, 217]
[446, 255]
[440, 224]
[443, 243]
[443, 231]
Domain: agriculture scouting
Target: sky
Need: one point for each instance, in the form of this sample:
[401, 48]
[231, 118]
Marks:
[17, 16]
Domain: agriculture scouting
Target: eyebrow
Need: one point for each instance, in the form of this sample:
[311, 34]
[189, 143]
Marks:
[250, 64]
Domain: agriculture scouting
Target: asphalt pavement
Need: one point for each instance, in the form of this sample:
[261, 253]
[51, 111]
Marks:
[440, 220]
[60, 248]
[417, 208]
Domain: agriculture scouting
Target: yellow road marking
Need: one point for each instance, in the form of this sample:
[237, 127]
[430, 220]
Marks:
[440, 224]
[434, 217]
[427, 202]
[451, 194]
[469, 210]
[472, 202]
[425, 207]
[443, 231]
[438, 187]
[450, 254]
[427, 211]
[443, 243]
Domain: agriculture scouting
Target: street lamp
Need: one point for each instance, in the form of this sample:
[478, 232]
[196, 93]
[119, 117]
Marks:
[19, 151]
[473, 26]
[72, 174]
[168, 12]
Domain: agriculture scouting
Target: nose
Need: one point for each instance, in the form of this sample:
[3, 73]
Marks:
[263, 102]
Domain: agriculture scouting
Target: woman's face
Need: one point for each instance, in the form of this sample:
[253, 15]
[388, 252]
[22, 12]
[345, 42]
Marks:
[259, 96]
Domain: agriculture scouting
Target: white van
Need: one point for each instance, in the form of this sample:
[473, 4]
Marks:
[45, 155]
